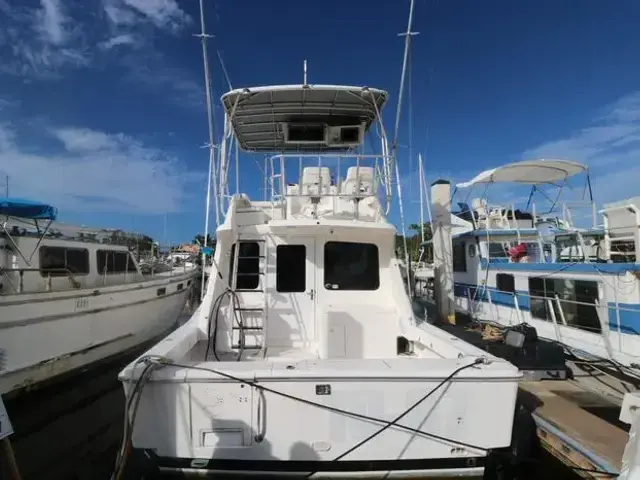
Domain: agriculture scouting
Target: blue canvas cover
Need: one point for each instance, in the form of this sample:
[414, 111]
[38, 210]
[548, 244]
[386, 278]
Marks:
[22, 208]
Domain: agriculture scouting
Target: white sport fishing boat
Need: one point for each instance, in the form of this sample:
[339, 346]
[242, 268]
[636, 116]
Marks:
[70, 297]
[305, 357]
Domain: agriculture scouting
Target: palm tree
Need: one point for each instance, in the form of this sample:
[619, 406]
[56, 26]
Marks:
[199, 240]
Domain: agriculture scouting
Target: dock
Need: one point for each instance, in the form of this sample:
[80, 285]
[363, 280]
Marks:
[577, 426]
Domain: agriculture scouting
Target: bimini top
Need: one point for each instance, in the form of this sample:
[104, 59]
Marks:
[295, 118]
[531, 172]
[21, 208]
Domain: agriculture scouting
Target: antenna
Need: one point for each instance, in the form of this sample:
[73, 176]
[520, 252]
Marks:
[7, 185]
[304, 70]
[394, 146]
[210, 119]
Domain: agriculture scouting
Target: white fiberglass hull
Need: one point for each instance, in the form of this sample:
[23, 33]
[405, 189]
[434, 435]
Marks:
[44, 335]
[281, 417]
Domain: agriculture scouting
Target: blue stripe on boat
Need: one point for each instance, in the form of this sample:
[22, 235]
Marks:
[629, 312]
[502, 264]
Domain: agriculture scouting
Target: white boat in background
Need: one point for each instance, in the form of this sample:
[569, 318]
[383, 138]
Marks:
[305, 356]
[69, 298]
[556, 265]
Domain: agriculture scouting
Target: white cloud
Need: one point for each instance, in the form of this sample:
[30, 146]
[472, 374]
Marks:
[119, 14]
[120, 40]
[50, 21]
[96, 171]
[164, 14]
[609, 145]
[43, 41]
[40, 41]
[55, 37]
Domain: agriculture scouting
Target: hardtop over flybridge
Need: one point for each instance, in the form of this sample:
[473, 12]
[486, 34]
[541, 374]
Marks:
[304, 355]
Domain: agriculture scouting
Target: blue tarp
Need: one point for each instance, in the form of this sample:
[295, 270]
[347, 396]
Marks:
[19, 207]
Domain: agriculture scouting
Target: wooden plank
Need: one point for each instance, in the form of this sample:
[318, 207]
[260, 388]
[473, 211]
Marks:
[551, 402]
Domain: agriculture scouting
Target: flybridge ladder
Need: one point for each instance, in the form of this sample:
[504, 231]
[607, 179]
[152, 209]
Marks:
[240, 311]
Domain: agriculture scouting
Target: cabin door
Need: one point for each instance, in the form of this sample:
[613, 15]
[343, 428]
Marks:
[292, 293]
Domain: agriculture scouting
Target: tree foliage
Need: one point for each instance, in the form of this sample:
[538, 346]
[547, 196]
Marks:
[199, 240]
[414, 238]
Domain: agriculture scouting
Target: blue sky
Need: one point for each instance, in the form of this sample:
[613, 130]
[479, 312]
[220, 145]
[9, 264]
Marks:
[102, 107]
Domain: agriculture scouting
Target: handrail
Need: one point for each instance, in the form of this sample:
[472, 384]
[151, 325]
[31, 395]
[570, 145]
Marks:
[330, 155]
[559, 301]
[538, 297]
[130, 277]
[66, 271]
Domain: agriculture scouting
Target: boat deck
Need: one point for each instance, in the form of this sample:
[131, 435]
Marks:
[199, 350]
[541, 360]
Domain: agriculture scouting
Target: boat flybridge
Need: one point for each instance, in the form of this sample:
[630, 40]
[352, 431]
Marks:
[304, 357]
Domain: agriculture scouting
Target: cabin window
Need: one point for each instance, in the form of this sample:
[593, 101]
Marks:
[505, 283]
[60, 261]
[248, 272]
[114, 261]
[351, 266]
[291, 268]
[576, 298]
[497, 250]
[459, 257]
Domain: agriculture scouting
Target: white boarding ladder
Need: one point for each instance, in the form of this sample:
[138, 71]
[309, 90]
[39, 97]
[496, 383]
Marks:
[248, 318]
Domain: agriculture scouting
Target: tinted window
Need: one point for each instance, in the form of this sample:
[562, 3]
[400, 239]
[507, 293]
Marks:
[60, 261]
[114, 261]
[459, 257]
[505, 283]
[248, 273]
[351, 266]
[291, 268]
[538, 294]
[576, 302]
[497, 250]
